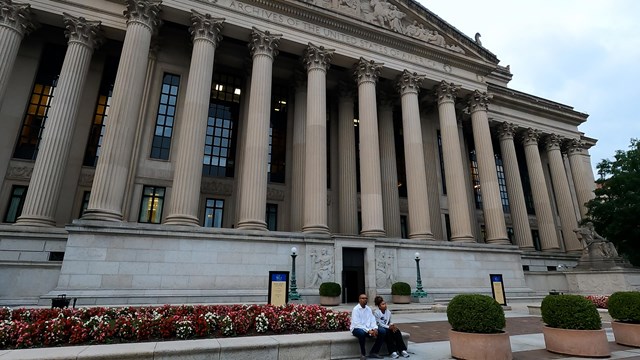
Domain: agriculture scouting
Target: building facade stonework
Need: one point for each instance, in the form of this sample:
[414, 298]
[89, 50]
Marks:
[175, 151]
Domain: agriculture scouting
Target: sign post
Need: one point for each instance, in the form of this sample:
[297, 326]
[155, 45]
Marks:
[278, 288]
[497, 288]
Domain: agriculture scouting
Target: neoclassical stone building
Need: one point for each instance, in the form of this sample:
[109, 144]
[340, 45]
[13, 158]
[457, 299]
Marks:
[175, 151]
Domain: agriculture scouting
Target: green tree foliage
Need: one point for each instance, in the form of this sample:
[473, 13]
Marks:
[615, 211]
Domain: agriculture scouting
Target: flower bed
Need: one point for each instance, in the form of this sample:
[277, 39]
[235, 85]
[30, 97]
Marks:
[27, 328]
[600, 301]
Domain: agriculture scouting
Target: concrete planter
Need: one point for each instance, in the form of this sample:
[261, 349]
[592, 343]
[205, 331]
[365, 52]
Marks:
[588, 343]
[474, 346]
[626, 333]
[401, 299]
[329, 300]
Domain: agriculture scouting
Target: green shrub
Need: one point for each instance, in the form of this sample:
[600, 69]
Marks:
[400, 288]
[330, 289]
[624, 306]
[570, 312]
[475, 313]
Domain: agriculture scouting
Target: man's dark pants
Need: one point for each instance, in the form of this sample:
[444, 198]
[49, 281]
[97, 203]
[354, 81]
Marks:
[362, 335]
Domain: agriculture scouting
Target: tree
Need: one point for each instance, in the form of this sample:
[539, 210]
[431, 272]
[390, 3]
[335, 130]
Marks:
[615, 210]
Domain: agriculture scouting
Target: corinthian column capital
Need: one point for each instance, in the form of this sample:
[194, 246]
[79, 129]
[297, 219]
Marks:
[206, 27]
[409, 82]
[506, 131]
[16, 16]
[83, 31]
[446, 91]
[553, 142]
[317, 57]
[145, 12]
[575, 146]
[530, 136]
[264, 43]
[367, 71]
[478, 101]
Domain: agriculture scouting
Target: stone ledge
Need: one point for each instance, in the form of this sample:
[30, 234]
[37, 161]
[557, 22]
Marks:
[334, 346]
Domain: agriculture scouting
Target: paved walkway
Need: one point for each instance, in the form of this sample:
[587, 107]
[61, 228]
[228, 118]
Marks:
[429, 334]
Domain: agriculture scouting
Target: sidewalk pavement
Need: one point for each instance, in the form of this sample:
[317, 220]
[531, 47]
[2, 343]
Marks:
[429, 333]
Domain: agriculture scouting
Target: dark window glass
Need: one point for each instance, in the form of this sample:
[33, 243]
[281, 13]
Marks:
[272, 217]
[502, 184]
[213, 212]
[510, 234]
[161, 143]
[475, 177]
[14, 209]
[221, 136]
[278, 134]
[404, 228]
[524, 176]
[56, 256]
[92, 153]
[401, 167]
[447, 223]
[39, 102]
[85, 202]
[440, 156]
[536, 239]
[151, 205]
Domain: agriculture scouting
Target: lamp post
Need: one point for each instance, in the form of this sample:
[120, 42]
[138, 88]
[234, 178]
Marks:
[293, 290]
[419, 293]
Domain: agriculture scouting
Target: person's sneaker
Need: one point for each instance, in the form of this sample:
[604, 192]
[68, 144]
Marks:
[405, 353]
[375, 356]
[394, 355]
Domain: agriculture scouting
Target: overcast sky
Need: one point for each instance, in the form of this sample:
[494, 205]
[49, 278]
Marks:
[582, 53]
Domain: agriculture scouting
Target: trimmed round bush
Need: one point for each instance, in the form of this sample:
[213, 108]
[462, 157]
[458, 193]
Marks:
[624, 306]
[572, 312]
[330, 289]
[400, 288]
[475, 313]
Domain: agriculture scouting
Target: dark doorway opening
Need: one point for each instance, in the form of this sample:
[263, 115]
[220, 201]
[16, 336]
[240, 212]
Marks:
[352, 274]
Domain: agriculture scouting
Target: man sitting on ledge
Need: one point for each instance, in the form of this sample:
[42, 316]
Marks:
[363, 325]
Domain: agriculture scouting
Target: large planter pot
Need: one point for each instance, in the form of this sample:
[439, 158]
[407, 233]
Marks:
[329, 300]
[401, 299]
[474, 346]
[626, 333]
[589, 343]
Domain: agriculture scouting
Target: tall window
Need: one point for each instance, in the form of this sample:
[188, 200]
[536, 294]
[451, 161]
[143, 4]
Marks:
[220, 140]
[440, 156]
[14, 209]
[502, 184]
[475, 177]
[213, 212]
[151, 205]
[535, 234]
[272, 217]
[401, 167]
[39, 102]
[526, 184]
[447, 224]
[101, 113]
[510, 234]
[278, 134]
[161, 143]
[404, 228]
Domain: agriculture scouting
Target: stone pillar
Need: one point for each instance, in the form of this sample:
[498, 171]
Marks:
[253, 201]
[109, 183]
[417, 195]
[453, 166]
[298, 156]
[348, 187]
[316, 60]
[519, 216]
[541, 203]
[242, 140]
[568, 220]
[15, 23]
[367, 72]
[582, 179]
[495, 228]
[388, 166]
[187, 175]
[432, 163]
[48, 172]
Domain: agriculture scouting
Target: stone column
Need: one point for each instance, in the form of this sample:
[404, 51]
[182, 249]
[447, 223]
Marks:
[496, 230]
[417, 195]
[109, 183]
[253, 201]
[316, 60]
[48, 172]
[367, 72]
[388, 165]
[298, 155]
[242, 140]
[541, 203]
[568, 220]
[432, 163]
[582, 180]
[453, 166]
[519, 216]
[348, 187]
[187, 175]
[15, 23]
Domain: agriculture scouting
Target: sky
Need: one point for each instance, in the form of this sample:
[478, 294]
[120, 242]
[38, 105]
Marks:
[581, 53]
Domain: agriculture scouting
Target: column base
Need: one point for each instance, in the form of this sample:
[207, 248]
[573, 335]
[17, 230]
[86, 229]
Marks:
[315, 229]
[373, 233]
[102, 215]
[463, 239]
[252, 225]
[182, 219]
[422, 236]
[29, 220]
[552, 250]
[498, 241]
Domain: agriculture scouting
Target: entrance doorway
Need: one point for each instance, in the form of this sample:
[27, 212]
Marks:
[352, 274]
